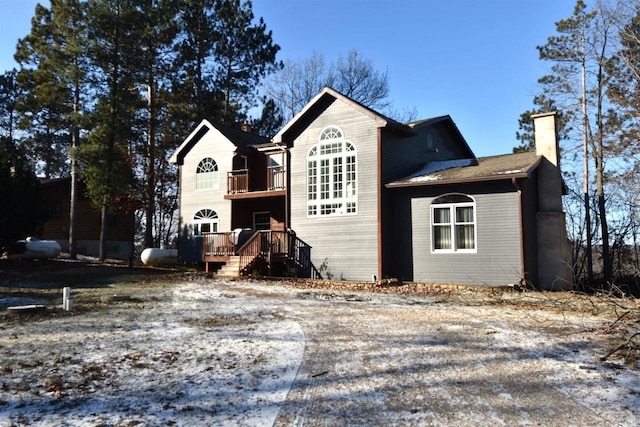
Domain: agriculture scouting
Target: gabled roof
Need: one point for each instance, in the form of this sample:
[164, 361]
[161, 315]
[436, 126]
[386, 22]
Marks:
[323, 99]
[237, 137]
[492, 168]
[447, 122]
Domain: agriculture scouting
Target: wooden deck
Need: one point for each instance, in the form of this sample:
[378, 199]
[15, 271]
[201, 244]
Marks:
[268, 246]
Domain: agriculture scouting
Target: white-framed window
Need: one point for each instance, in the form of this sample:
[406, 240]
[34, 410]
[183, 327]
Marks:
[332, 180]
[207, 175]
[205, 221]
[453, 224]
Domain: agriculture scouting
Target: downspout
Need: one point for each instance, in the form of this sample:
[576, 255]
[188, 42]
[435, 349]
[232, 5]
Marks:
[287, 193]
[379, 202]
[523, 273]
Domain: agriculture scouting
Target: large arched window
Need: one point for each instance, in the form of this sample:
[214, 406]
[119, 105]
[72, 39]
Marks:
[331, 175]
[453, 223]
[205, 221]
[207, 174]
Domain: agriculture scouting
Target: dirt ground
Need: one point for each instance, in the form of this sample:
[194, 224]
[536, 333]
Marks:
[183, 348]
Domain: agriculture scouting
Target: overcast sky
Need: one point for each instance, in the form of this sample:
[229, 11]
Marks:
[474, 60]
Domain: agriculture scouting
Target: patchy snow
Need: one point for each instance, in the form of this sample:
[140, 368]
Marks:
[425, 174]
[243, 353]
[509, 172]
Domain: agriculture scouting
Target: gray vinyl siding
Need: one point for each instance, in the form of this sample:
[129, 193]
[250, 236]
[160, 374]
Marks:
[497, 260]
[404, 155]
[213, 145]
[348, 244]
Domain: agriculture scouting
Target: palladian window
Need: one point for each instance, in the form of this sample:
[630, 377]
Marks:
[453, 224]
[207, 174]
[205, 221]
[332, 175]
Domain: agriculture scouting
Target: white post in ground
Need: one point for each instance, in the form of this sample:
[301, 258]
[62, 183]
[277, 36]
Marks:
[67, 302]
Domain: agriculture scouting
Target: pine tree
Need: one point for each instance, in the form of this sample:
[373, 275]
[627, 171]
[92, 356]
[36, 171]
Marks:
[106, 159]
[244, 53]
[57, 48]
[580, 56]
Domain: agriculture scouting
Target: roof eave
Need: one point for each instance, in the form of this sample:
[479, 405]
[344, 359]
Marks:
[497, 177]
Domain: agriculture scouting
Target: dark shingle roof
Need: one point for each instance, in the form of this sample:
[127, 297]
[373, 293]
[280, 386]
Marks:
[241, 138]
[491, 168]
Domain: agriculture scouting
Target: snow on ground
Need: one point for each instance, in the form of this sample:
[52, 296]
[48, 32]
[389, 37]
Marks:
[250, 354]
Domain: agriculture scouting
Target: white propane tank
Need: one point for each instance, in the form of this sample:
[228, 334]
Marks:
[159, 256]
[32, 248]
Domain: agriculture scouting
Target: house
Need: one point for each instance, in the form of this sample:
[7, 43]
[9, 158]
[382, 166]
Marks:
[351, 194]
[57, 199]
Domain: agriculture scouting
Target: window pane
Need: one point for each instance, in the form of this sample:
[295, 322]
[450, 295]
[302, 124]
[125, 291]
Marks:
[464, 214]
[312, 193]
[337, 177]
[324, 179]
[442, 237]
[465, 237]
[206, 180]
[441, 216]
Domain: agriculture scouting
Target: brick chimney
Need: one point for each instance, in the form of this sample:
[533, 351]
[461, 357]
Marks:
[245, 126]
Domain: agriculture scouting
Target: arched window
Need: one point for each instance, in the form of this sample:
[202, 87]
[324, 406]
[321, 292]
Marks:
[205, 221]
[331, 175]
[207, 174]
[453, 223]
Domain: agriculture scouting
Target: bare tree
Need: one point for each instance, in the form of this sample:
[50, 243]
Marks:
[354, 76]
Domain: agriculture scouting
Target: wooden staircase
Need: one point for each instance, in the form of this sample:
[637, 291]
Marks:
[231, 268]
[265, 250]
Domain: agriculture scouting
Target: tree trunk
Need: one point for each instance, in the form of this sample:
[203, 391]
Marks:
[103, 230]
[75, 138]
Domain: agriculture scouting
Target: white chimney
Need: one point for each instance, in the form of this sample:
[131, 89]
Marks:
[546, 136]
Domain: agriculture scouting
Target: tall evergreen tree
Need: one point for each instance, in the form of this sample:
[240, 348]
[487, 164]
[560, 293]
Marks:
[158, 28]
[193, 95]
[580, 55]
[55, 74]
[107, 164]
[9, 93]
[526, 131]
[244, 53]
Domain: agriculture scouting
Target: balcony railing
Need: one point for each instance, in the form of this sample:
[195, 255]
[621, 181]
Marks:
[238, 181]
[275, 179]
[218, 244]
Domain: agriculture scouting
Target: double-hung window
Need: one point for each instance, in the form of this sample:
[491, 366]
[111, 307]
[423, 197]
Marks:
[453, 223]
[331, 175]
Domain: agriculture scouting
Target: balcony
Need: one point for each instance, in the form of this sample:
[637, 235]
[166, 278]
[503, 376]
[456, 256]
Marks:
[238, 184]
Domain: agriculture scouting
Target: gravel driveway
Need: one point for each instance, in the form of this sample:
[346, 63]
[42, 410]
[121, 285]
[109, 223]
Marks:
[248, 353]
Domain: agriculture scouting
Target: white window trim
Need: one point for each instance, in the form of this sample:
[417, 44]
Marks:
[452, 225]
[197, 223]
[216, 181]
[318, 204]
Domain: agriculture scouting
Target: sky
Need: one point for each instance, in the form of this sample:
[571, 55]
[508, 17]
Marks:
[475, 60]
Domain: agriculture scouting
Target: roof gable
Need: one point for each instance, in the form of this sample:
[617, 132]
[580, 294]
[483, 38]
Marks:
[319, 103]
[236, 137]
[449, 132]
